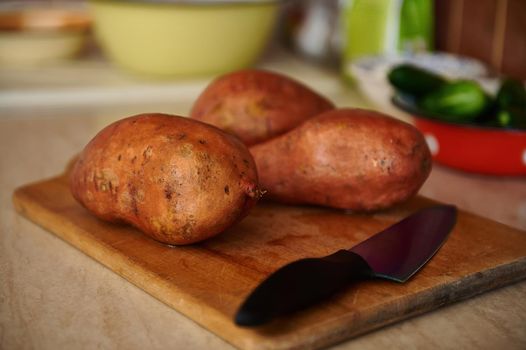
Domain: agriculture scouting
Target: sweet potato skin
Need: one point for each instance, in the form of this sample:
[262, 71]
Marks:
[178, 180]
[257, 105]
[345, 158]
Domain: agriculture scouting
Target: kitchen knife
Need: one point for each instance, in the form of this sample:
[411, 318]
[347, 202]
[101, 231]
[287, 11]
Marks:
[395, 254]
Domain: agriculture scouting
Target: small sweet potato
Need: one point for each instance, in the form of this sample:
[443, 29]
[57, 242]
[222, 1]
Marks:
[346, 158]
[257, 105]
[178, 180]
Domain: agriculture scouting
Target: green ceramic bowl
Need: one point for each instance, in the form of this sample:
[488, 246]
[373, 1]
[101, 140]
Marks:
[183, 38]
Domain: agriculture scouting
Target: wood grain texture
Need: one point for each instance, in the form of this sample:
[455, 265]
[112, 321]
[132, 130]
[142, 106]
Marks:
[492, 31]
[514, 45]
[208, 281]
[478, 29]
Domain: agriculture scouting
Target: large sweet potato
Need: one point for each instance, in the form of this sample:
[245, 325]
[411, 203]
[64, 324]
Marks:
[257, 105]
[348, 158]
[176, 179]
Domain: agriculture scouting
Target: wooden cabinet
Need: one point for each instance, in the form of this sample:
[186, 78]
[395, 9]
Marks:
[493, 31]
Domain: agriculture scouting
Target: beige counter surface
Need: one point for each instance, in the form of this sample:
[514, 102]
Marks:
[52, 296]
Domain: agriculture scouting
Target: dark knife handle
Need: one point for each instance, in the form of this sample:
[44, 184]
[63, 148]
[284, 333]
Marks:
[300, 284]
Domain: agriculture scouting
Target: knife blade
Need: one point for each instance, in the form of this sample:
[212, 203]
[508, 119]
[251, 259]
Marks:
[395, 254]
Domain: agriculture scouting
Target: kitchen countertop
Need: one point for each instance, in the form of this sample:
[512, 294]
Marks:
[52, 296]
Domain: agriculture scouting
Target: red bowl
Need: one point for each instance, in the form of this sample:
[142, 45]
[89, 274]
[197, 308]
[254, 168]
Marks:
[469, 147]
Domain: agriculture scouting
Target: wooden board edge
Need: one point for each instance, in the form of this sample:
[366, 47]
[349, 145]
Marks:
[112, 259]
[340, 330]
[470, 286]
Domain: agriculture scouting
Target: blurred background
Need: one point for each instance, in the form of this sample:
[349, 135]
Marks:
[170, 40]
[117, 57]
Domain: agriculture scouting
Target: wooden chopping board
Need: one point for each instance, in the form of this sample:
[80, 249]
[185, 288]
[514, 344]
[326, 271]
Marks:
[208, 281]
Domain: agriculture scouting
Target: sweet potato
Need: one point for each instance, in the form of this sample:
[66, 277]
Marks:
[257, 105]
[347, 158]
[176, 179]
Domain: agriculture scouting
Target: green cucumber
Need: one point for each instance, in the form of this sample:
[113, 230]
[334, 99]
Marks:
[511, 94]
[511, 105]
[459, 101]
[512, 117]
[413, 80]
